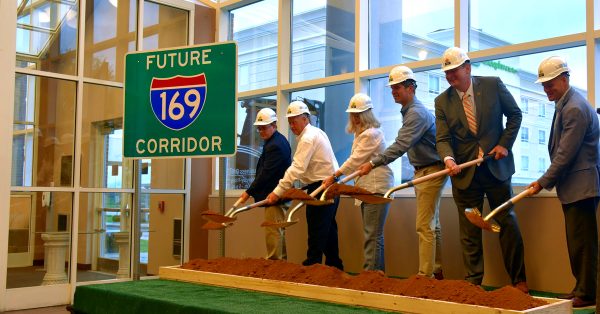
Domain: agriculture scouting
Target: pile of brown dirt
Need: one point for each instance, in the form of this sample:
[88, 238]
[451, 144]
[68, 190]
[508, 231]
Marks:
[458, 291]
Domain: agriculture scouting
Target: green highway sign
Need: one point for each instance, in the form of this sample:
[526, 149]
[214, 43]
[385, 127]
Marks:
[181, 102]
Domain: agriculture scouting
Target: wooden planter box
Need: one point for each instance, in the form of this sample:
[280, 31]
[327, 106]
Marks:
[350, 297]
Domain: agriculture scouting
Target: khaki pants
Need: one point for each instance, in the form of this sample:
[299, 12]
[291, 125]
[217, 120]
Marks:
[428, 225]
[275, 237]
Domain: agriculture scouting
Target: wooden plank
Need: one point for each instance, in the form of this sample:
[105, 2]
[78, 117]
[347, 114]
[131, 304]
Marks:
[350, 297]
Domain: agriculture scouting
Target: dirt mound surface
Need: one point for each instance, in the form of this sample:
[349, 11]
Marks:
[458, 291]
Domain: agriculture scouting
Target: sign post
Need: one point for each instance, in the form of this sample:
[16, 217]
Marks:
[181, 102]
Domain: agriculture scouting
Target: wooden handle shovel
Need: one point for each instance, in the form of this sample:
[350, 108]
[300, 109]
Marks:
[474, 215]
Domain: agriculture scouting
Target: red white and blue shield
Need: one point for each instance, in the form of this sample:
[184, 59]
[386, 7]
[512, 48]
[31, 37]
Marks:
[177, 101]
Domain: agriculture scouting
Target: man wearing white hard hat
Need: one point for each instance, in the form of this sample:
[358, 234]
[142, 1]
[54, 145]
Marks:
[312, 163]
[368, 142]
[469, 120]
[275, 158]
[574, 171]
[416, 138]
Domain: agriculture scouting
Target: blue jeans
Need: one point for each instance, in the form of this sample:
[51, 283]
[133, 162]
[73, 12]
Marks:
[374, 216]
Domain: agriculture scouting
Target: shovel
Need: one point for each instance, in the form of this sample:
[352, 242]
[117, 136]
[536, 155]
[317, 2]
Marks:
[474, 215]
[218, 221]
[301, 195]
[288, 221]
[337, 189]
[435, 175]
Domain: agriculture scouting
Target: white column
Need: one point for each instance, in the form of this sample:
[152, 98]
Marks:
[122, 239]
[56, 244]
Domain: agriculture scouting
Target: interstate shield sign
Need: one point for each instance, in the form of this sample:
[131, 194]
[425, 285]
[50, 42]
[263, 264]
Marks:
[181, 102]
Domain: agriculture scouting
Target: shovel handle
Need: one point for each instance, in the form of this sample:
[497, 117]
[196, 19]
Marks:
[342, 181]
[435, 175]
[234, 207]
[236, 211]
[508, 203]
[313, 194]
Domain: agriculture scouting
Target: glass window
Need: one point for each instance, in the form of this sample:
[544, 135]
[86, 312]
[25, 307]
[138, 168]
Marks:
[524, 105]
[525, 163]
[528, 21]
[542, 165]
[241, 168]
[255, 30]
[434, 84]
[103, 236]
[40, 231]
[327, 106]
[43, 131]
[161, 241]
[524, 134]
[519, 75]
[542, 136]
[110, 33]
[404, 31]
[164, 26]
[388, 113]
[541, 110]
[322, 38]
[102, 140]
[47, 35]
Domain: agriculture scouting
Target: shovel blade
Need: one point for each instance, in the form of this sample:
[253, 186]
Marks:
[372, 199]
[474, 216]
[211, 225]
[274, 224]
[216, 217]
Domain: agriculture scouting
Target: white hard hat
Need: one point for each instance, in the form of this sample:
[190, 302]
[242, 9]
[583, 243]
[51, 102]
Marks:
[359, 103]
[400, 74]
[296, 108]
[265, 116]
[550, 68]
[453, 57]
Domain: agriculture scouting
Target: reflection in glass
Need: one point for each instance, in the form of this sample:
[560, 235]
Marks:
[110, 33]
[322, 38]
[241, 168]
[161, 241]
[255, 30]
[44, 128]
[103, 236]
[519, 75]
[102, 140]
[164, 26]
[327, 105]
[39, 238]
[47, 35]
[405, 31]
[528, 21]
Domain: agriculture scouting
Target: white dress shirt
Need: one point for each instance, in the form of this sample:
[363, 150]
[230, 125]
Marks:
[365, 147]
[313, 160]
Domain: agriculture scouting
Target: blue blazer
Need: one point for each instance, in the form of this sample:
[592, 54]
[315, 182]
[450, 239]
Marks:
[493, 101]
[573, 148]
[276, 157]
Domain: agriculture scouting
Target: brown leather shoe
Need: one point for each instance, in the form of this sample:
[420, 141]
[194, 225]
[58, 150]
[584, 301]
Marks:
[522, 286]
[579, 302]
[567, 296]
[439, 275]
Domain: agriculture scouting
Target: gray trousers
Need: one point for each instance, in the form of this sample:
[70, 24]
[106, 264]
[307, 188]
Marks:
[511, 243]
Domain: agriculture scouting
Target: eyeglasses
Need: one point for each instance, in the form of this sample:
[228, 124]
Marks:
[262, 127]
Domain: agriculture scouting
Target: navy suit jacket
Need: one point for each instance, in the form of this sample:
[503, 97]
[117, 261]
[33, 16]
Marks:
[573, 148]
[276, 157]
[454, 139]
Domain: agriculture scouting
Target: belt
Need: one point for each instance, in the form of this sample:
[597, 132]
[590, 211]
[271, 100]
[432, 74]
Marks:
[435, 163]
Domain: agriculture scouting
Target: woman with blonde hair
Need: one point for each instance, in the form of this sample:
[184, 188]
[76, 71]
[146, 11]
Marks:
[368, 142]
